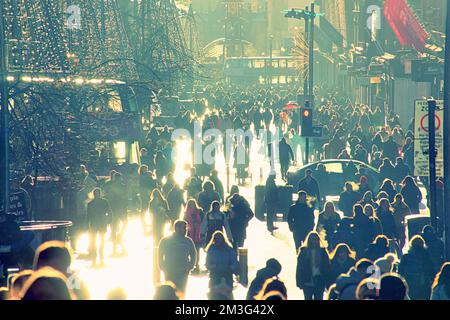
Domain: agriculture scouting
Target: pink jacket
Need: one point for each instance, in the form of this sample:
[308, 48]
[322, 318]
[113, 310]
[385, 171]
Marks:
[194, 220]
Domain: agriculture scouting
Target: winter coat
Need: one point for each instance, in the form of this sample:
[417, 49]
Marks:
[304, 273]
[337, 268]
[301, 219]
[346, 202]
[346, 284]
[387, 222]
[412, 196]
[311, 187]
[418, 270]
[99, 214]
[328, 223]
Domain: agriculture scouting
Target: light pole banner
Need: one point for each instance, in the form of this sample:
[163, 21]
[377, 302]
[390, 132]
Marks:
[421, 148]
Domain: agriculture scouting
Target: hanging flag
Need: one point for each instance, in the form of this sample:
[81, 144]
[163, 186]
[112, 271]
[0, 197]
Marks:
[405, 25]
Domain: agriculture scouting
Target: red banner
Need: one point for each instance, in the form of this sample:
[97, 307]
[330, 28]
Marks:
[405, 25]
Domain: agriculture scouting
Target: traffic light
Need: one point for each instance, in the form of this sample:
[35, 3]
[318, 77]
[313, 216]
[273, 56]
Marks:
[307, 122]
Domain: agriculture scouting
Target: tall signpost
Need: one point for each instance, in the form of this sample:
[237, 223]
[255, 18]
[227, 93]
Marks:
[306, 80]
[446, 219]
[311, 56]
[432, 160]
[429, 149]
[4, 144]
[309, 17]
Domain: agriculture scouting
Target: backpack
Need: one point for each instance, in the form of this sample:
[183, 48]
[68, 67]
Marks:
[215, 224]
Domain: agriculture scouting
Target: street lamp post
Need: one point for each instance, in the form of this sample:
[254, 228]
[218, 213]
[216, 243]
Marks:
[432, 161]
[4, 144]
[311, 57]
[446, 128]
[306, 79]
[309, 17]
[269, 75]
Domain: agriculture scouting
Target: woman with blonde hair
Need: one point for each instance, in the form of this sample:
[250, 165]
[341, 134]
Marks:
[328, 220]
[313, 267]
[221, 261]
[194, 216]
[159, 210]
[341, 260]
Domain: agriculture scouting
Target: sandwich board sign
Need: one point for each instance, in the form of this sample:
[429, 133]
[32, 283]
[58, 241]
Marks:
[421, 149]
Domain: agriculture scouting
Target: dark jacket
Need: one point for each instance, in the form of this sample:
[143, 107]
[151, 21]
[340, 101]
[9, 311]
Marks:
[304, 274]
[374, 252]
[346, 202]
[328, 223]
[240, 215]
[390, 149]
[301, 219]
[412, 197]
[175, 201]
[271, 196]
[311, 187]
[401, 171]
[117, 196]
[339, 267]
[218, 185]
[418, 271]
[362, 227]
[261, 276]
[222, 263]
[98, 214]
[285, 152]
[205, 198]
[387, 222]
[177, 254]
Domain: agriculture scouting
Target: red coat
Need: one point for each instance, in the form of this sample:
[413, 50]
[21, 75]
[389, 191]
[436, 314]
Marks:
[194, 219]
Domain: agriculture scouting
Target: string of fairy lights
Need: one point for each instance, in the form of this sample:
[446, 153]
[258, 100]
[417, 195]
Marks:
[163, 45]
[49, 65]
[41, 41]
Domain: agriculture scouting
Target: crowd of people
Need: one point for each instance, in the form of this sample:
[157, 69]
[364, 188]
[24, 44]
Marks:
[354, 248]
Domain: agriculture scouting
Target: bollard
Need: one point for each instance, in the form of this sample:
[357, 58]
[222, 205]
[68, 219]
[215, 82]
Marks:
[260, 206]
[243, 265]
[156, 271]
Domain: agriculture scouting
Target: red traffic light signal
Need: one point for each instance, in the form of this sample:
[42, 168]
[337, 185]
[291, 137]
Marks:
[307, 122]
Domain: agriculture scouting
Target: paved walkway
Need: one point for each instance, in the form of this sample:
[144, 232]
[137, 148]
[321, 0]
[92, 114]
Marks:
[134, 272]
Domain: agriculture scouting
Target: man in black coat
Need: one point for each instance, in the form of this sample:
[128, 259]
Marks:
[401, 170]
[286, 155]
[310, 186]
[348, 199]
[390, 149]
[271, 199]
[300, 219]
[98, 216]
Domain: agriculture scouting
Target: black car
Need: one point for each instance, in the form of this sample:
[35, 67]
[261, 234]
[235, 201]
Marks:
[337, 172]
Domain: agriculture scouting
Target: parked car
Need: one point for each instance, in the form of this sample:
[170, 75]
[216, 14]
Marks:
[337, 172]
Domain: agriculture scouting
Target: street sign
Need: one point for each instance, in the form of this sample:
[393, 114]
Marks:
[421, 149]
[316, 132]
